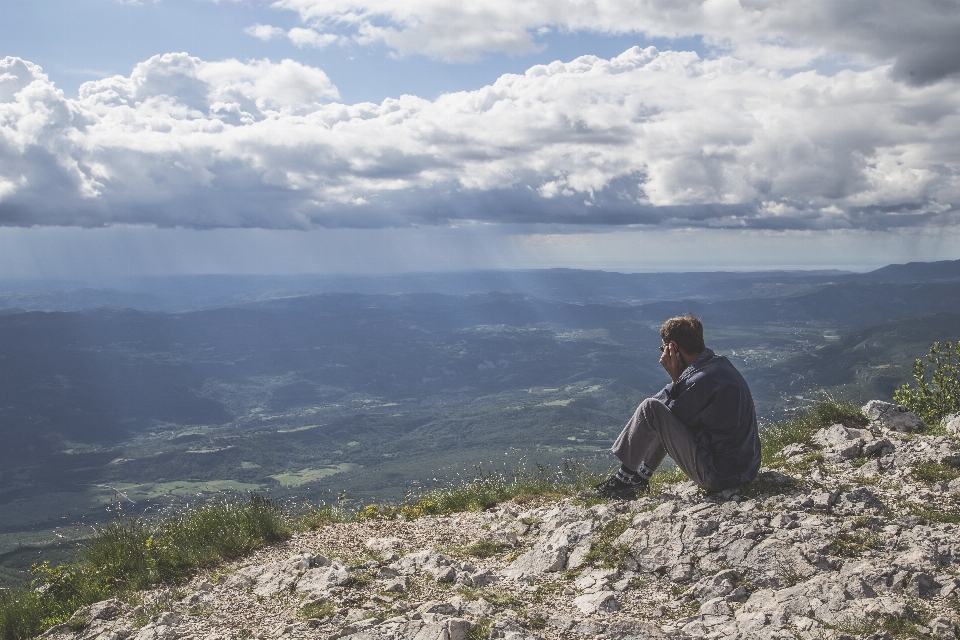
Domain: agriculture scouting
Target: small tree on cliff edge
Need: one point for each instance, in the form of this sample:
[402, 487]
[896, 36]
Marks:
[940, 397]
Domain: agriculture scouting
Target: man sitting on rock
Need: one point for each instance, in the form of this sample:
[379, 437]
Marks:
[704, 419]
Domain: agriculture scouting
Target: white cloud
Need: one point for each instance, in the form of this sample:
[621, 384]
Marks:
[921, 35]
[649, 138]
[310, 38]
[264, 32]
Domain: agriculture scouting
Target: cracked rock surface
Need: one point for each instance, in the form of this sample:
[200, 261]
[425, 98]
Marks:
[854, 536]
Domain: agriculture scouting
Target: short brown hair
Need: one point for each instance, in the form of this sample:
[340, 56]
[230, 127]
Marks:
[686, 331]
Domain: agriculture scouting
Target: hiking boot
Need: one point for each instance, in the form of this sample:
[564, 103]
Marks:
[619, 490]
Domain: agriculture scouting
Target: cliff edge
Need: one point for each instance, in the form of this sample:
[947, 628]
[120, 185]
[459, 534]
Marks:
[856, 535]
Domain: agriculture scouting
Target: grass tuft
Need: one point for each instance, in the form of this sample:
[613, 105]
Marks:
[853, 544]
[604, 552]
[800, 428]
[485, 549]
[480, 630]
[665, 477]
[931, 472]
[486, 490]
[318, 610]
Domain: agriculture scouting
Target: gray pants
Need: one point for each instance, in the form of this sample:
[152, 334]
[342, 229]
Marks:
[652, 433]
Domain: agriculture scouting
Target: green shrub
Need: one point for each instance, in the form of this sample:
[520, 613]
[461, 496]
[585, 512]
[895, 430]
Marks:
[801, 427]
[939, 397]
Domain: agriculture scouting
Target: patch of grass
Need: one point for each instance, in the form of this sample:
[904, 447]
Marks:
[895, 626]
[78, 623]
[604, 552]
[468, 593]
[787, 572]
[852, 544]
[316, 518]
[480, 630]
[943, 516]
[804, 465]
[200, 610]
[488, 489]
[319, 610]
[639, 582]
[800, 429]
[546, 592]
[485, 549]
[930, 472]
[146, 611]
[361, 579]
[663, 478]
[133, 554]
[590, 500]
[537, 622]
[502, 599]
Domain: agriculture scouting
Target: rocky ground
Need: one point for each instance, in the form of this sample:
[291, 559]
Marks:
[855, 537]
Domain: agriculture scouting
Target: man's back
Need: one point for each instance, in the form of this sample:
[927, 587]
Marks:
[714, 401]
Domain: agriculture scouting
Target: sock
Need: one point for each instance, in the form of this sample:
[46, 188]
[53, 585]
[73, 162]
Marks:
[629, 476]
[644, 471]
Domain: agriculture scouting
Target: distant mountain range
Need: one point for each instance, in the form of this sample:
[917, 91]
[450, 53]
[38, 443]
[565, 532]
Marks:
[184, 293]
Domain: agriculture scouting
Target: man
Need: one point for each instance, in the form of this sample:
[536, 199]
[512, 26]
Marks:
[705, 420]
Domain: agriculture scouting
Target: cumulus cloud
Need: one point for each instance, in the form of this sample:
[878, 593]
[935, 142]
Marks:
[645, 138]
[921, 36]
[310, 38]
[264, 32]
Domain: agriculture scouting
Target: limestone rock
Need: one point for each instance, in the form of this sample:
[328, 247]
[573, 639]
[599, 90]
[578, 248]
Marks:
[952, 424]
[322, 579]
[590, 603]
[892, 416]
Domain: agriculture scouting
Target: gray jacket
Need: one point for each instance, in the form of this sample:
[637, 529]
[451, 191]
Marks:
[713, 400]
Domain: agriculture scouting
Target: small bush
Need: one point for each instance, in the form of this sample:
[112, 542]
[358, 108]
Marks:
[800, 428]
[939, 397]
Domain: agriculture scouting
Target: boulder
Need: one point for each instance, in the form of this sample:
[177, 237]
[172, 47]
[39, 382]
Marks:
[842, 442]
[952, 423]
[322, 579]
[892, 416]
[590, 603]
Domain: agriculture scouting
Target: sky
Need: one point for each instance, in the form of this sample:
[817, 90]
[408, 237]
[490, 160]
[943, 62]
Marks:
[375, 136]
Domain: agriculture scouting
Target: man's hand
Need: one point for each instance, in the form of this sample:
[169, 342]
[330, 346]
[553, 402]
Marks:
[672, 361]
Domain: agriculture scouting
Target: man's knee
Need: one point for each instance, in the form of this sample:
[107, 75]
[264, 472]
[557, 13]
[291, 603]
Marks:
[652, 407]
